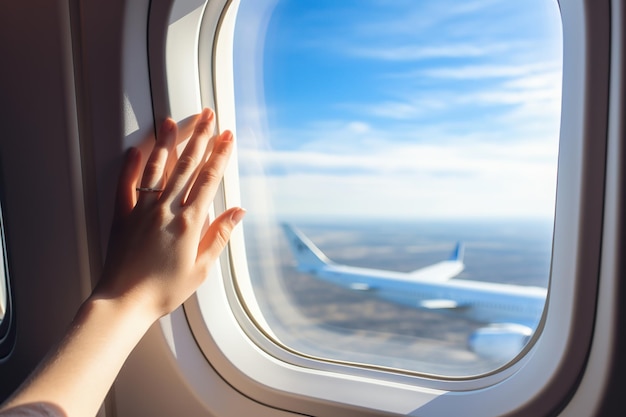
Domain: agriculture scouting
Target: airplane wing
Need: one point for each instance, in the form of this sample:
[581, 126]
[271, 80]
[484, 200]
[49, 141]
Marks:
[442, 271]
[310, 258]
[509, 325]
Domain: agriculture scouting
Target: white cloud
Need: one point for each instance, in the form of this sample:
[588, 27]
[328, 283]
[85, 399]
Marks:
[529, 195]
[526, 98]
[497, 180]
[476, 159]
[398, 110]
[410, 17]
[399, 151]
[415, 53]
[358, 127]
[473, 72]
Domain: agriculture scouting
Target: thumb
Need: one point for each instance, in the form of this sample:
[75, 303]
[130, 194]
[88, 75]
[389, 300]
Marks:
[218, 234]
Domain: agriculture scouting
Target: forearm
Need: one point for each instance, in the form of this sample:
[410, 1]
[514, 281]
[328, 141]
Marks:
[77, 375]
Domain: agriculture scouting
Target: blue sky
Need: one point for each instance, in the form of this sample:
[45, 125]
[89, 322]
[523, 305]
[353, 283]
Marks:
[405, 109]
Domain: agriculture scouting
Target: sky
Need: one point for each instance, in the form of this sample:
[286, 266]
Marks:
[405, 109]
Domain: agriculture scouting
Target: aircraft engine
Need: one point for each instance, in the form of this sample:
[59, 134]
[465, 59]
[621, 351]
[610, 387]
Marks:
[500, 341]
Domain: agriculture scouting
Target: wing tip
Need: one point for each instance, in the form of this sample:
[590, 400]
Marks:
[308, 256]
[458, 253]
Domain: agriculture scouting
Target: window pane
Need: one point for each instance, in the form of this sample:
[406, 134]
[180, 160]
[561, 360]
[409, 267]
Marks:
[393, 137]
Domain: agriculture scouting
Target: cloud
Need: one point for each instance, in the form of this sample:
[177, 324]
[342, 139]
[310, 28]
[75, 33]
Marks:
[500, 102]
[416, 53]
[411, 18]
[400, 196]
[446, 178]
[458, 115]
[424, 161]
[398, 110]
[487, 71]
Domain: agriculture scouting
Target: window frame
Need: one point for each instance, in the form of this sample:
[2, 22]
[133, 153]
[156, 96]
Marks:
[7, 322]
[539, 383]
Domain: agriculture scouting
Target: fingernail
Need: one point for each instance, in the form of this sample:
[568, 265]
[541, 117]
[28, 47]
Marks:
[237, 215]
[205, 114]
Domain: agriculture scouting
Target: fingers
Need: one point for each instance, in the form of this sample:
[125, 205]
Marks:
[186, 127]
[192, 157]
[126, 195]
[194, 179]
[155, 170]
[185, 130]
[208, 179]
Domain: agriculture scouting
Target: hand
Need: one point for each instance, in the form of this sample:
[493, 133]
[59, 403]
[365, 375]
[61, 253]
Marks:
[157, 255]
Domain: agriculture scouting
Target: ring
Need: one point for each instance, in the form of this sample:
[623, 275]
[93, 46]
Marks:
[149, 190]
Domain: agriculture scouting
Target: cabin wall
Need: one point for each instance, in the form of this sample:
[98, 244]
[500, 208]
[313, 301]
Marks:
[39, 165]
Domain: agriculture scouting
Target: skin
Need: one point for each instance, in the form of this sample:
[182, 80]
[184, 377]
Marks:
[158, 255]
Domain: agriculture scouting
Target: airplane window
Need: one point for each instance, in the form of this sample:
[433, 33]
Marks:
[398, 161]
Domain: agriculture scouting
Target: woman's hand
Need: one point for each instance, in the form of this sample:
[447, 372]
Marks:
[157, 255]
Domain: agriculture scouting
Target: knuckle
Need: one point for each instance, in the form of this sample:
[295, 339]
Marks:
[209, 176]
[186, 220]
[161, 214]
[222, 235]
[187, 163]
[152, 170]
[156, 162]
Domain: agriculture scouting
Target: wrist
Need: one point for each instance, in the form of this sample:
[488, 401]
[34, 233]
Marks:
[125, 308]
